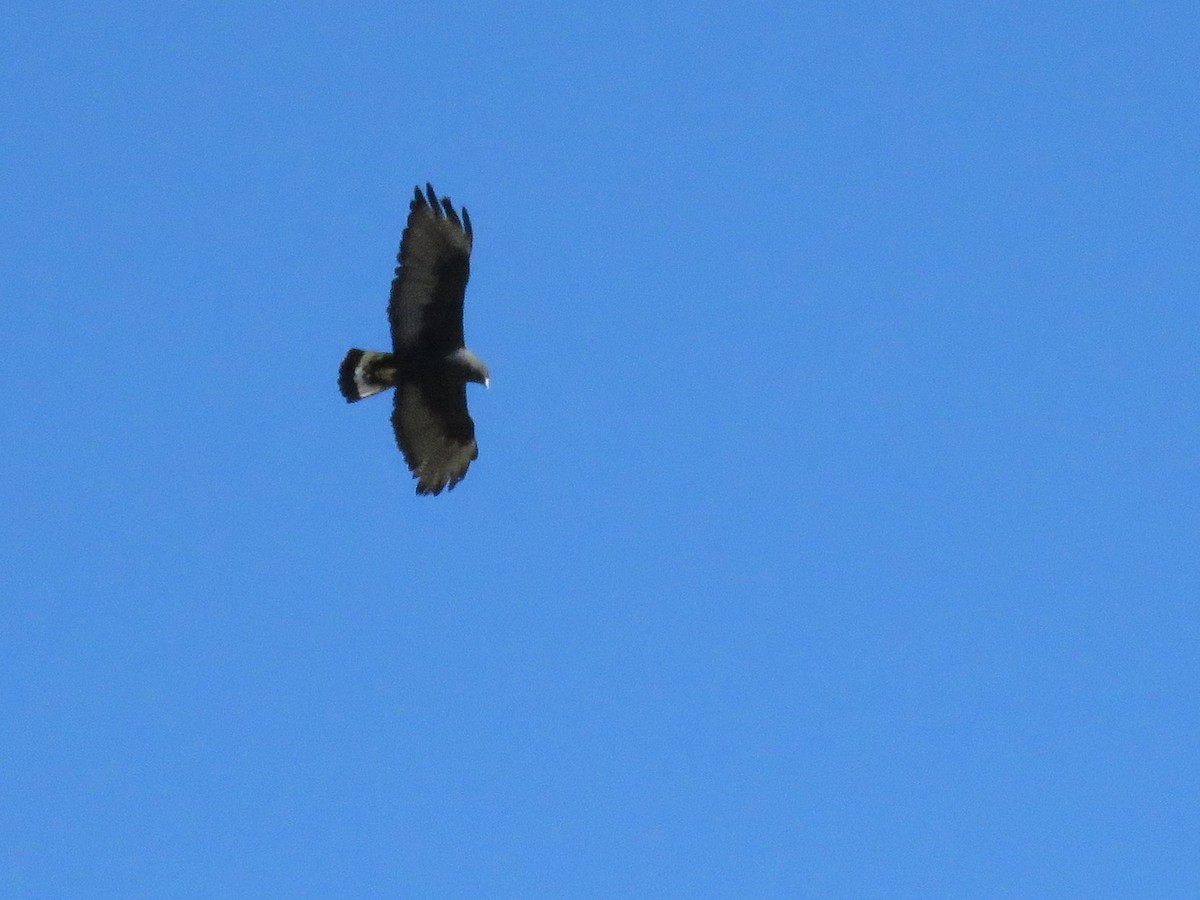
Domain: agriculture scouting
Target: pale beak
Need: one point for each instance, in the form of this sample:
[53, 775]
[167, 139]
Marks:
[487, 382]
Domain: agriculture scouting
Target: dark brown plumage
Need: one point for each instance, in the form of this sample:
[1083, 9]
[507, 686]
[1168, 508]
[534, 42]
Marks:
[429, 364]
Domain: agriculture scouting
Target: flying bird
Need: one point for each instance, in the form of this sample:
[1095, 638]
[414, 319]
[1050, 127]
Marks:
[430, 364]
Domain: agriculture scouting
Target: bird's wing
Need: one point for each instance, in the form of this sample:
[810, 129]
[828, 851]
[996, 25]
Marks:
[426, 305]
[434, 431]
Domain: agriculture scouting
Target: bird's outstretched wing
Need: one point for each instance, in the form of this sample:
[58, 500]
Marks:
[434, 431]
[426, 305]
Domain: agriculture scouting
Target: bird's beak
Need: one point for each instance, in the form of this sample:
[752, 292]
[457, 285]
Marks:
[487, 383]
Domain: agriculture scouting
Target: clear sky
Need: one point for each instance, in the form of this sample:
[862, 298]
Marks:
[835, 526]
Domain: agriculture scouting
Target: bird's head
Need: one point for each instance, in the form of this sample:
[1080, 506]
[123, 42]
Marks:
[472, 367]
[479, 373]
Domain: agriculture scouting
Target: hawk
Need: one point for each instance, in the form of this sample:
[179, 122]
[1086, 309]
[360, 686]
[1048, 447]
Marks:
[429, 365]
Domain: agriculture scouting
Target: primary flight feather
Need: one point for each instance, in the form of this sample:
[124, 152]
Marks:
[429, 365]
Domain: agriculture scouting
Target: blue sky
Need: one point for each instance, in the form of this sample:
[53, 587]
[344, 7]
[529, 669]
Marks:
[834, 531]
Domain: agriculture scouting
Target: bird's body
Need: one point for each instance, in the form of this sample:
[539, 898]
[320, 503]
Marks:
[429, 365]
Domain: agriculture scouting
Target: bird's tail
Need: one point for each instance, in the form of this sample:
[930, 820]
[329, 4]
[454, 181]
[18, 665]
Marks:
[365, 372]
